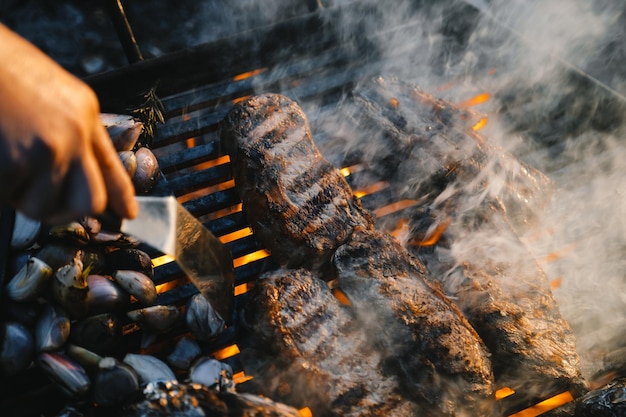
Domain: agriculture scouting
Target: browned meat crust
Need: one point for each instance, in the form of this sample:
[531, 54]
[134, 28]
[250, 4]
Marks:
[423, 337]
[315, 353]
[290, 192]
[442, 362]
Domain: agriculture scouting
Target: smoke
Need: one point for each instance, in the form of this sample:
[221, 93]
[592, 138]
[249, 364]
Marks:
[556, 75]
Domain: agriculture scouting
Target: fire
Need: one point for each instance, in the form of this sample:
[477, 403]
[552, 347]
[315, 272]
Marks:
[305, 412]
[165, 287]
[205, 191]
[240, 377]
[347, 171]
[479, 99]
[249, 74]
[251, 257]
[238, 234]
[225, 212]
[226, 352]
[546, 405]
[503, 393]
[480, 124]
[162, 260]
[243, 288]
[212, 163]
[341, 296]
[394, 207]
[370, 189]
[434, 235]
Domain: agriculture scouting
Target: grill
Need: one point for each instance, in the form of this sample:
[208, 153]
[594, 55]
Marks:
[313, 59]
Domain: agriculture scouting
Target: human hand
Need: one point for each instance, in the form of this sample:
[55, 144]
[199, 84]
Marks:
[57, 162]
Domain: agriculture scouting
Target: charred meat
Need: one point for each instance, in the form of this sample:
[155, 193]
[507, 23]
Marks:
[290, 192]
[478, 197]
[301, 208]
[314, 353]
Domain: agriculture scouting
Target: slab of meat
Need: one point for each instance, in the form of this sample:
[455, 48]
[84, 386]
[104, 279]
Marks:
[484, 195]
[300, 206]
[441, 360]
[303, 209]
[313, 353]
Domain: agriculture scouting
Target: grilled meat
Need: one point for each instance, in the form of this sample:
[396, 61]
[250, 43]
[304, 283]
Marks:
[313, 352]
[483, 196]
[300, 207]
[442, 363]
[290, 192]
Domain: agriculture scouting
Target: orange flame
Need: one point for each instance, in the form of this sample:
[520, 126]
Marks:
[370, 189]
[226, 352]
[162, 260]
[243, 288]
[434, 236]
[546, 405]
[251, 257]
[166, 286]
[394, 207]
[556, 283]
[503, 393]
[341, 296]
[305, 412]
[238, 234]
[249, 74]
[480, 124]
[241, 377]
[479, 99]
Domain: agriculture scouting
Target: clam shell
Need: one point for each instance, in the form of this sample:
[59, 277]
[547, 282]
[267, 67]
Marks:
[138, 285]
[52, 329]
[17, 348]
[149, 368]
[30, 281]
[67, 374]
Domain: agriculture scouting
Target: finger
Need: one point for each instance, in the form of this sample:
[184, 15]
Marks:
[119, 187]
[86, 191]
[42, 195]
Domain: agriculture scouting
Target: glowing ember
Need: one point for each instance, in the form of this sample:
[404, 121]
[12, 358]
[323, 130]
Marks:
[433, 236]
[346, 171]
[370, 189]
[341, 296]
[165, 287]
[545, 406]
[241, 377]
[238, 234]
[305, 412]
[251, 257]
[226, 352]
[556, 283]
[393, 102]
[480, 124]
[394, 207]
[504, 392]
[249, 74]
[162, 260]
[479, 99]
[243, 288]
[212, 163]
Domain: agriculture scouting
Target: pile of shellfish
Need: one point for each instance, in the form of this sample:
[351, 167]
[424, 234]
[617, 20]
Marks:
[74, 288]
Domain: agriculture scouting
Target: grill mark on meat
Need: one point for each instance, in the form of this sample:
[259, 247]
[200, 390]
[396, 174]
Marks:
[442, 362]
[424, 337]
[317, 349]
[506, 297]
[290, 192]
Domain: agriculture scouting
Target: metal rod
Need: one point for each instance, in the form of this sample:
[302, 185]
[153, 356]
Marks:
[124, 31]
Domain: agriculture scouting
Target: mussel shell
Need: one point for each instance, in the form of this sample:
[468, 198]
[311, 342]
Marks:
[149, 368]
[124, 130]
[70, 289]
[86, 358]
[105, 295]
[99, 334]
[30, 281]
[52, 329]
[73, 233]
[138, 285]
[202, 319]
[59, 254]
[114, 382]
[184, 353]
[26, 231]
[211, 373]
[129, 160]
[147, 173]
[92, 225]
[158, 318]
[17, 347]
[130, 258]
[67, 374]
